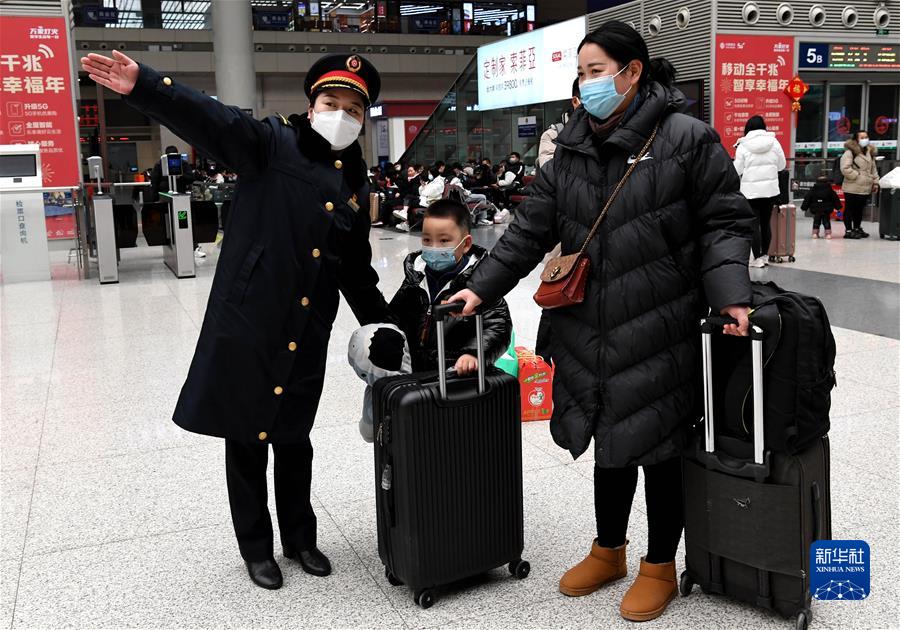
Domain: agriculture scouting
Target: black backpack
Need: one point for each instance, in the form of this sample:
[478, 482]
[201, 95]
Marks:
[798, 354]
[837, 176]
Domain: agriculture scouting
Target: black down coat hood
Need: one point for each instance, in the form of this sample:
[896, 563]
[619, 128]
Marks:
[676, 241]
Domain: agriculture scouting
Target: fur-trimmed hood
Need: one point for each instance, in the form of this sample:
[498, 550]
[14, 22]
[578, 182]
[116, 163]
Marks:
[854, 147]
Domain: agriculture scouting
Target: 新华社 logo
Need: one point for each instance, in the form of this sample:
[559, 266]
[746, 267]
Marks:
[839, 570]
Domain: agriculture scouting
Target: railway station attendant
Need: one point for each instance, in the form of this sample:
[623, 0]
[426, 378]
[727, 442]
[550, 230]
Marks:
[298, 234]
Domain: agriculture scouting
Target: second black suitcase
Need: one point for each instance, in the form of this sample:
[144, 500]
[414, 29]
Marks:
[751, 517]
[889, 214]
[448, 474]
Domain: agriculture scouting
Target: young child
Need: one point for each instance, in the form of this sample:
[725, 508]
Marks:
[821, 200]
[443, 267]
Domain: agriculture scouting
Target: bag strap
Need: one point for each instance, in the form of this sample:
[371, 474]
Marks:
[616, 190]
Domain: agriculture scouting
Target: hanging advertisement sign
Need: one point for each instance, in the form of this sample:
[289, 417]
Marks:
[537, 67]
[752, 72]
[411, 129]
[36, 103]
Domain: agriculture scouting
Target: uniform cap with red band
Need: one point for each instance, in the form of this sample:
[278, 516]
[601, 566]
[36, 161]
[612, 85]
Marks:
[352, 72]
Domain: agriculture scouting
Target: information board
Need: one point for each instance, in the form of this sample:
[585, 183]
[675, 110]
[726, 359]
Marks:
[824, 56]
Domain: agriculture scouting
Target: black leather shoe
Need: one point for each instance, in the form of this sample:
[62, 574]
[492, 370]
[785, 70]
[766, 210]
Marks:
[265, 574]
[312, 560]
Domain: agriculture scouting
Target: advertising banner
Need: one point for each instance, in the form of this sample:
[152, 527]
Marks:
[537, 67]
[411, 129]
[751, 74]
[36, 102]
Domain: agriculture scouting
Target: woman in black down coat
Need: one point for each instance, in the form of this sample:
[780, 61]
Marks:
[674, 243]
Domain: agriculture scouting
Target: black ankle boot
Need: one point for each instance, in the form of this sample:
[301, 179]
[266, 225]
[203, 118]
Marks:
[312, 560]
[265, 574]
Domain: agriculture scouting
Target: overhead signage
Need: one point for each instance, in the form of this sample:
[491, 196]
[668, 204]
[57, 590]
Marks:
[823, 56]
[536, 67]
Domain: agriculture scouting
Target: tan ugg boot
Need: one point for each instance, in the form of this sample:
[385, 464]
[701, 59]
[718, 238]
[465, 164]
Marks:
[653, 589]
[602, 566]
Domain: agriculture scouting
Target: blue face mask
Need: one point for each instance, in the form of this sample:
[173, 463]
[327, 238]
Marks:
[599, 96]
[440, 258]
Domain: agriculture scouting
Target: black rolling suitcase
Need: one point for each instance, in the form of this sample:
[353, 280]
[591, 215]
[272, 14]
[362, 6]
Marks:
[889, 214]
[448, 474]
[751, 516]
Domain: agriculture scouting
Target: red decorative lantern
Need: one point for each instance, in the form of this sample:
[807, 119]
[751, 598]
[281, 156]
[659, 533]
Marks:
[796, 89]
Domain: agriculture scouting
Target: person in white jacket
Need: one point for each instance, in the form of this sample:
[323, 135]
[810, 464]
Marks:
[758, 159]
[432, 190]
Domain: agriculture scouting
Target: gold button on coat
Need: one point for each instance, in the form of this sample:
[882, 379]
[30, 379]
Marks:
[338, 164]
[167, 81]
[279, 390]
[329, 206]
[316, 253]
[304, 302]
[263, 435]
[292, 346]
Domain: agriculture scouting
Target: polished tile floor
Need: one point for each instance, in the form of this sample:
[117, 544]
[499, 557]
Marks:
[113, 517]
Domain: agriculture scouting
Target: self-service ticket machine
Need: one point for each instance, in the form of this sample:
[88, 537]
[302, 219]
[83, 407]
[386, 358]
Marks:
[23, 228]
[104, 226]
[178, 251]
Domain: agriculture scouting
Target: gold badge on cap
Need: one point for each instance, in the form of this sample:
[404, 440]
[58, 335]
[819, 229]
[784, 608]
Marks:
[354, 63]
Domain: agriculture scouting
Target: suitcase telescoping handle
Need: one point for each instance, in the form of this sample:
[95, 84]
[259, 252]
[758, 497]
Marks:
[708, 327]
[440, 312]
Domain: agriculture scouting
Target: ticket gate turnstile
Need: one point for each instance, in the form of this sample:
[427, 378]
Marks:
[178, 251]
[105, 234]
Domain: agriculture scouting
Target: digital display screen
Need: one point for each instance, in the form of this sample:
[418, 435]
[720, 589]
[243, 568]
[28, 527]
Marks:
[864, 56]
[822, 56]
[175, 162]
[537, 67]
[18, 165]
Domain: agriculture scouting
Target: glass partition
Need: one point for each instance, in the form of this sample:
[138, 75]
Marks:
[458, 131]
[844, 114]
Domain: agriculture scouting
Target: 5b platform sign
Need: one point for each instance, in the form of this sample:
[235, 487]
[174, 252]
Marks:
[751, 74]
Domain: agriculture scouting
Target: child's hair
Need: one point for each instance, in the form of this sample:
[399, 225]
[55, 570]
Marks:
[823, 179]
[448, 208]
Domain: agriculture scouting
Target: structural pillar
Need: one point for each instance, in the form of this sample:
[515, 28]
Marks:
[232, 23]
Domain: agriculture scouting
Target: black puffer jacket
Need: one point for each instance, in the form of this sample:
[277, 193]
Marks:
[821, 199]
[675, 241]
[412, 307]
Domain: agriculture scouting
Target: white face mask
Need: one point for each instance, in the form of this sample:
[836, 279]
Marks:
[338, 127]
[864, 142]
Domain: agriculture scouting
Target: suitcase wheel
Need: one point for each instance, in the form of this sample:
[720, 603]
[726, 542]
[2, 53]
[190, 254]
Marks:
[424, 598]
[791, 259]
[686, 584]
[520, 569]
[393, 579]
[804, 618]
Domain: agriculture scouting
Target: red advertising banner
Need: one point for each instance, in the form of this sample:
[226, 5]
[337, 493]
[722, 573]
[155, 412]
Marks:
[36, 102]
[751, 74]
[411, 129]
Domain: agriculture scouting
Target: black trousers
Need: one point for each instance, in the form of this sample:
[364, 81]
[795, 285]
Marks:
[245, 468]
[853, 210]
[822, 220]
[614, 492]
[762, 237]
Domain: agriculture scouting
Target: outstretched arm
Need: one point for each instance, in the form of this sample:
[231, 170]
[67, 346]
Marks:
[225, 133]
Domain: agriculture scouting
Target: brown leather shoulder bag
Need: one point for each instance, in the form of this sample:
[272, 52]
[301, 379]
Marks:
[564, 278]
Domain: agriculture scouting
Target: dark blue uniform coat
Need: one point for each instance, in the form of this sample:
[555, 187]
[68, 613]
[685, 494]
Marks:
[298, 233]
